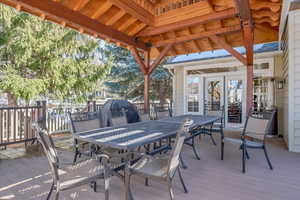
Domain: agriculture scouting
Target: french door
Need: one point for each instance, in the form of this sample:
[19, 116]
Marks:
[194, 96]
[214, 94]
[235, 101]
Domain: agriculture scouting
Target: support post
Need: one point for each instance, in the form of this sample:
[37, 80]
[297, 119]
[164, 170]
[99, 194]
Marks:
[146, 91]
[147, 81]
[249, 87]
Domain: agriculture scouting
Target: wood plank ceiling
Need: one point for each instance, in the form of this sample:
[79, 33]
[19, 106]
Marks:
[189, 24]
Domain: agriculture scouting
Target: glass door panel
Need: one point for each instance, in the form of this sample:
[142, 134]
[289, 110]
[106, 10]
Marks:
[214, 94]
[235, 96]
[194, 94]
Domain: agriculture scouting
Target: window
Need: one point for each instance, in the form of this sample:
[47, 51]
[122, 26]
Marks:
[193, 93]
[261, 66]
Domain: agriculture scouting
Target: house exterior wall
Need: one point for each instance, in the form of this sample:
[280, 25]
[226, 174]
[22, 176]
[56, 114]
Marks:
[293, 34]
[178, 90]
[273, 58]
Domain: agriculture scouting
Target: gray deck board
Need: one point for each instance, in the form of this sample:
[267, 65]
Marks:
[207, 179]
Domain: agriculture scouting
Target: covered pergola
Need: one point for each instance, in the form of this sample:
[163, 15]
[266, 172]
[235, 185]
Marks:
[154, 29]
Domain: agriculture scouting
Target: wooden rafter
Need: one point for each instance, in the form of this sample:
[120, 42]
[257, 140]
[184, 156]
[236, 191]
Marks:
[188, 23]
[196, 36]
[135, 10]
[102, 9]
[220, 41]
[61, 13]
[115, 18]
[139, 60]
[161, 56]
[80, 4]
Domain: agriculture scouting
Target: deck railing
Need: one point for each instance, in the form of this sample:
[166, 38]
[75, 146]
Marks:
[15, 123]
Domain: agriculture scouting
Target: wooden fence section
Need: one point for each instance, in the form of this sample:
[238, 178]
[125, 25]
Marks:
[16, 123]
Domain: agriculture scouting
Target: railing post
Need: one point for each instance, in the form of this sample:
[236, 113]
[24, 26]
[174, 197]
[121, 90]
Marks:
[44, 114]
[94, 106]
[88, 106]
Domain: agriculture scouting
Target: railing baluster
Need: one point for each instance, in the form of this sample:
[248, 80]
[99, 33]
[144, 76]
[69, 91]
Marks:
[1, 127]
[14, 122]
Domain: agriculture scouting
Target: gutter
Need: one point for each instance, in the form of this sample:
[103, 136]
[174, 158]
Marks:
[221, 59]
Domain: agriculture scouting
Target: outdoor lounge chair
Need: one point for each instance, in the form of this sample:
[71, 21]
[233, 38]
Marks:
[164, 167]
[257, 127]
[90, 170]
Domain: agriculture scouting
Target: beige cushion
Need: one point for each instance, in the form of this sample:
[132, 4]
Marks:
[157, 167]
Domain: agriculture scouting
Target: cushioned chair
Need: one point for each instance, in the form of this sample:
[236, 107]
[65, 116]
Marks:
[257, 127]
[85, 172]
[164, 167]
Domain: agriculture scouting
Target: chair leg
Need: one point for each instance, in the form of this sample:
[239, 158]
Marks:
[182, 163]
[56, 195]
[222, 149]
[247, 154]
[267, 157]
[146, 181]
[181, 180]
[50, 192]
[212, 139]
[170, 190]
[106, 186]
[244, 158]
[194, 149]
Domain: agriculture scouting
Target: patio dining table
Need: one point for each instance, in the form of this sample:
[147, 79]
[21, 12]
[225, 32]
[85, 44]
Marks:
[129, 137]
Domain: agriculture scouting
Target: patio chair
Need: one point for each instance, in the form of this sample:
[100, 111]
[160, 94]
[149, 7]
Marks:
[85, 121]
[257, 127]
[164, 167]
[216, 127]
[86, 172]
[159, 112]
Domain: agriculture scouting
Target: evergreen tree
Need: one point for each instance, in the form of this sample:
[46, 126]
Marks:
[42, 58]
[127, 81]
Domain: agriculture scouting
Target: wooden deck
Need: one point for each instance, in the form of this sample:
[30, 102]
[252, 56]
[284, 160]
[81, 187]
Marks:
[207, 179]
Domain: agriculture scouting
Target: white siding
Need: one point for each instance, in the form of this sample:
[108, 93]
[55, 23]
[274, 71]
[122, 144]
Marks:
[294, 79]
[281, 95]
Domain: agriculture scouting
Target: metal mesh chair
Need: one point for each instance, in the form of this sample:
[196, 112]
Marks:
[74, 176]
[85, 121]
[164, 167]
[159, 112]
[216, 127]
[257, 127]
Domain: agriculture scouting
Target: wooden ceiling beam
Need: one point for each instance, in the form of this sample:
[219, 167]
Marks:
[196, 36]
[161, 56]
[58, 12]
[189, 22]
[243, 7]
[116, 17]
[139, 60]
[220, 41]
[80, 4]
[102, 9]
[135, 10]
